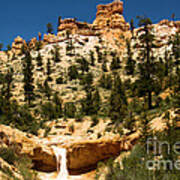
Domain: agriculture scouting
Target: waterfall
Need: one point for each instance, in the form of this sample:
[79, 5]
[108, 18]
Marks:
[60, 154]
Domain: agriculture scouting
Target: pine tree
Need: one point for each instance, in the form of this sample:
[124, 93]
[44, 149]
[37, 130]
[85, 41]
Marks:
[130, 64]
[104, 66]
[99, 54]
[70, 49]
[69, 110]
[48, 66]
[176, 50]
[8, 47]
[38, 45]
[59, 21]
[58, 105]
[9, 80]
[115, 64]
[96, 102]
[106, 81]
[145, 129]
[84, 64]
[57, 57]
[49, 28]
[39, 60]
[28, 77]
[145, 65]
[73, 72]
[92, 58]
[47, 90]
[91, 104]
[118, 101]
[87, 80]
[132, 27]
[176, 54]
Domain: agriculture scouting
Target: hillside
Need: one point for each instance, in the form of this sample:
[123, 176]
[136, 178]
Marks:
[87, 94]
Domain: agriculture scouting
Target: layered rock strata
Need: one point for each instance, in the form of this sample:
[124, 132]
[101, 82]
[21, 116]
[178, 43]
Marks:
[81, 155]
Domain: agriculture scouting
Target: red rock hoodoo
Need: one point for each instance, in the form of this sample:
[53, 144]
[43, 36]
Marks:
[107, 17]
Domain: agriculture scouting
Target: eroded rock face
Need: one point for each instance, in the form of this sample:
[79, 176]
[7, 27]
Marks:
[18, 44]
[111, 16]
[108, 16]
[81, 155]
[27, 145]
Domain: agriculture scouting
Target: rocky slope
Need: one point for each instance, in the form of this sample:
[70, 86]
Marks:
[86, 144]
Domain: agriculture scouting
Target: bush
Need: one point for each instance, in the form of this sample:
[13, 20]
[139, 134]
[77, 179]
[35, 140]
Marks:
[106, 81]
[73, 73]
[19, 117]
[22, 163]
[69, 110]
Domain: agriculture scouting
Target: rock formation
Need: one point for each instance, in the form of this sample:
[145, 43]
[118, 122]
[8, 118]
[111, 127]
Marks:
[108, 16]
[73, 41]
[18, 44]
[81, 155]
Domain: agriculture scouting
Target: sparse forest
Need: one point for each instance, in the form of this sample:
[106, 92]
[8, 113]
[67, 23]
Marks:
[128, 90]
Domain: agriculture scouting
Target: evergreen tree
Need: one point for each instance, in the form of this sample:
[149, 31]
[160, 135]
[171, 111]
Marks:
[106, 81]
[176, 50]
[87, 80]
[96, 102]
[146, 63]
[104, 66]
[58, 105]
[145, 129]
[47, 89]
[5, 95]
[115, 64]
[84, 64]
[73, 72]
[8, 47]
[69, 110]
[91, 104]
[48, 111]
[176, 85]
[99, 54]
[48, 66]
[59, 21]
[39, 60]
[38, 45]
[168, 63]
[49, 27]
[118, 102]
[57, 57]
[92, 58]
[132, 27]
[28, 77]
[70, 49]
[130, 64]
[9, 80]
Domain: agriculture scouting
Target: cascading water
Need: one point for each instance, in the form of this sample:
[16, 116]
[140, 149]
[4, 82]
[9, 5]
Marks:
[60, 154]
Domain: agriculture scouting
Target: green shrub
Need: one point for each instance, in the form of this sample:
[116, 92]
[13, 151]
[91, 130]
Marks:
[69, 110]
[22, 163]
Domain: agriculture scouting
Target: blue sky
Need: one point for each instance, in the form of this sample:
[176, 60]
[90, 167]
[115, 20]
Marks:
[28, 17]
